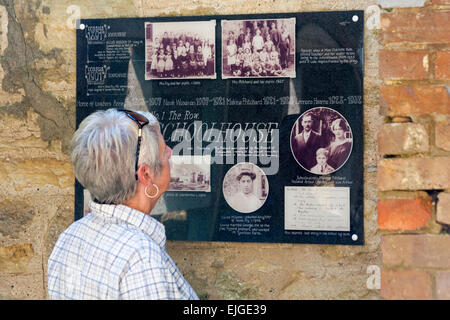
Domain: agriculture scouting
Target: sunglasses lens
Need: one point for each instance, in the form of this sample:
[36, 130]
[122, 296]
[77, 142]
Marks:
[138, 117]
[135, 116]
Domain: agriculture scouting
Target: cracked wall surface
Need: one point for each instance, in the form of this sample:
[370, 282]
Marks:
[37, 120]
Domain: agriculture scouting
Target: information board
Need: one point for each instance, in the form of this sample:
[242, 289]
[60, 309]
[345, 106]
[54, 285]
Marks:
[264, 114]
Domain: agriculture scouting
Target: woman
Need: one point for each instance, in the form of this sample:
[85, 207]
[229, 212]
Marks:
[161, 63]
[247, 65]
[118, 250]
[231, 55]
[258, 41]
[169, 65]
[182, 60]
[341, 146]
[192, 58]
[154, 62]
[208, 58]
[247, 43]
[199, 59]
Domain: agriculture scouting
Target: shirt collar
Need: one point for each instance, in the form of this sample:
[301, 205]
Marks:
[122, 213]
[306, 134]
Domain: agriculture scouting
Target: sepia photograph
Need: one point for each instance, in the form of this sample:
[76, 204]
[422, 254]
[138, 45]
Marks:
[321, 140]
[245, 187]
[180, 50]
[190, 173]
[258, 48]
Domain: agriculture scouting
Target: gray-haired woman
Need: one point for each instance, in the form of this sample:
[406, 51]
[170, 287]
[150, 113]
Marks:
[117, 251]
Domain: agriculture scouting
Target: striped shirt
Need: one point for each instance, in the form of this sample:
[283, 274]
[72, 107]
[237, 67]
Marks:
[114, 252]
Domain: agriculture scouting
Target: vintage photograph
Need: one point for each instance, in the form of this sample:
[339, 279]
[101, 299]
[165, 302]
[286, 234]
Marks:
[258, 48]
[321, 140]
[190, 173]
[180, 50]
[245, 187]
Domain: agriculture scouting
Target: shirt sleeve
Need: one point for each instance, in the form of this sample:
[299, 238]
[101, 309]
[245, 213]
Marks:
[145, 279]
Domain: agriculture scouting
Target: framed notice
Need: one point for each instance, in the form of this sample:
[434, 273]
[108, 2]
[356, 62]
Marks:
[264, 114]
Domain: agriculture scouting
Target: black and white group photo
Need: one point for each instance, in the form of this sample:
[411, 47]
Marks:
[180, 50]
[321, 140]
[258, 48]
[245, 187]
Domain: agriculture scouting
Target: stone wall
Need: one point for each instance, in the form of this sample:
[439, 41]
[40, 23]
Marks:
[414, 143]
[37, 119]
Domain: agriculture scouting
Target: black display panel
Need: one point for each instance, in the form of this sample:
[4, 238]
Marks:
[264, 114]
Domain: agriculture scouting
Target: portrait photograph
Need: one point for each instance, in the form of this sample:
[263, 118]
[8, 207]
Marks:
[245, 187]
[321, 140]
[258, 48]
[190, 173]
[180, 50]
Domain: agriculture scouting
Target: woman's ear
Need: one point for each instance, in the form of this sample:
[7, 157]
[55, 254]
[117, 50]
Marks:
[145, 175]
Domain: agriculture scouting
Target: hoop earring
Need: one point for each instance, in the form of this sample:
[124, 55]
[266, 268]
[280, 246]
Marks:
[151, 196]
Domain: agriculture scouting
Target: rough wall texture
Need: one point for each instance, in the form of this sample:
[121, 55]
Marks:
[414, 169]
[37, 119]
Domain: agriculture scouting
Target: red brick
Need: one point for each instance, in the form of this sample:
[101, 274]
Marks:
[403, 64]
[405, 285]
[424, 26]
[443, 208]
[440, 2]
[443, 285]
[404, 214]
[442, 134]
[402, 138]
[414, 173]
[414, 100]
[442, 65]
[416, 250]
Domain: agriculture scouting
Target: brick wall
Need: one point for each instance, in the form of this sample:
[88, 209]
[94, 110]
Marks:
[414, 149]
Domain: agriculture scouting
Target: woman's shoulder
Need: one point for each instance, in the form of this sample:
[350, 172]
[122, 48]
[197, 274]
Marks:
[144, 245]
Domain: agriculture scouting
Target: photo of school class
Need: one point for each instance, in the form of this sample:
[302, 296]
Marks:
[180, 50]
[258, 48]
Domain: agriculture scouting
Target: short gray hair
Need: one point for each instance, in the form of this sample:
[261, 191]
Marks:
[103, 154]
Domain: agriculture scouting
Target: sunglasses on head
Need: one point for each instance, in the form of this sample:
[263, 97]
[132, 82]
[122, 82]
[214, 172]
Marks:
[141, 121]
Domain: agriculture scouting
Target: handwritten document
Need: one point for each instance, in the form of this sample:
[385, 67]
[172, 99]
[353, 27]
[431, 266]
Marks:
[317, 208]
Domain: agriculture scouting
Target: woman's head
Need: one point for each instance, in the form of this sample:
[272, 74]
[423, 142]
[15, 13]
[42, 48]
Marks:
[103, 153]
[339, 128]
